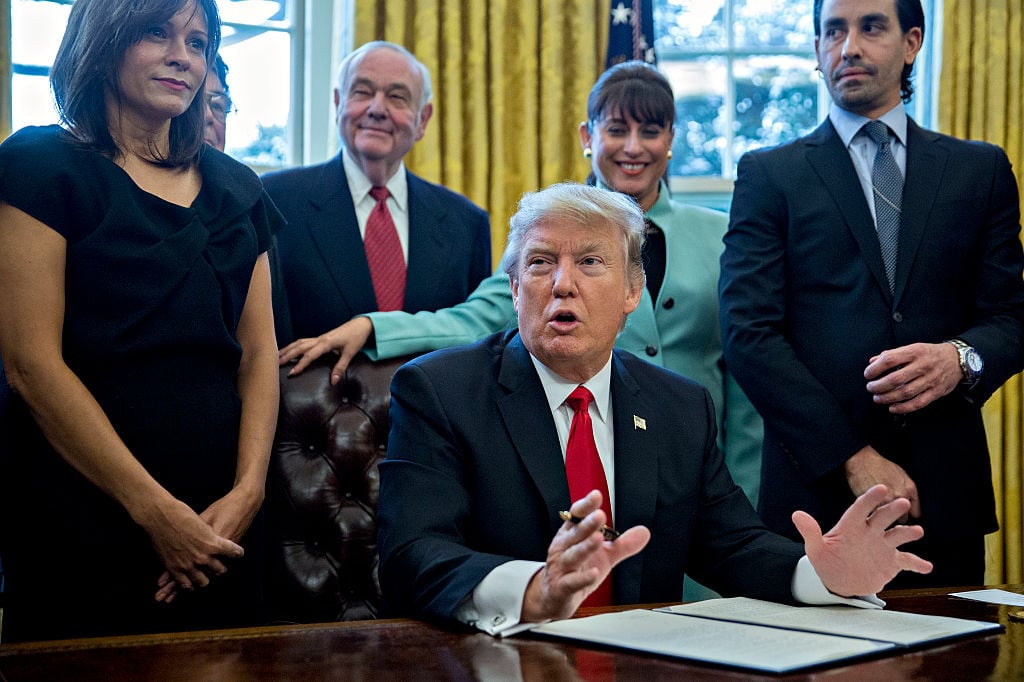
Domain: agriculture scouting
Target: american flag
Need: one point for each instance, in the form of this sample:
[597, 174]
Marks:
[631, 32]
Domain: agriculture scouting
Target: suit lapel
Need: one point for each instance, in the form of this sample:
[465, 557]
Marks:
[926, 163]
[636, 470]
[524, 409]
[831, 161]
[335, 231]
[430, 240]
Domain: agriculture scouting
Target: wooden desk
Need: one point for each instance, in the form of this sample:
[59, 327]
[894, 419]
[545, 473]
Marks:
[407, 649]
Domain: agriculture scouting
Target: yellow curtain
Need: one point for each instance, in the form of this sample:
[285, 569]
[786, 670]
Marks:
[981, 98]
[510, 80]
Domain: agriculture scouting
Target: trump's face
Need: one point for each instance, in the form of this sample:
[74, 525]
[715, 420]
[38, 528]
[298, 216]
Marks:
[572, 294]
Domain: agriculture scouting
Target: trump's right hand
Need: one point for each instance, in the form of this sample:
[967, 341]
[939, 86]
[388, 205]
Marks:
[579, 559]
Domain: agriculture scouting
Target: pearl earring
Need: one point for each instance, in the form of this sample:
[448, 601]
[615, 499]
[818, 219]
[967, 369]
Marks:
[587, 153]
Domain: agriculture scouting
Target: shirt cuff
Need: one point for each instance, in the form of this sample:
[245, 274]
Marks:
[808, 589]
[496, 603]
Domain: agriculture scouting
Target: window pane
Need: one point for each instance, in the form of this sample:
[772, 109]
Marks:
[37, 31]
[259, 69]
[252, 11]
[700, 86]
[689, 25]
[743, 74]
[777, 24]
[776, 101]
[33, 103]
[37, 28]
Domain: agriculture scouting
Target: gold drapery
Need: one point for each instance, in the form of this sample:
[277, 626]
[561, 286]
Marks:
[510, 80]
[981, 98]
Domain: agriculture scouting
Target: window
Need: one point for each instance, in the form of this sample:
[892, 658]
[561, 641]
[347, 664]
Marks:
[36, 30]
[743, 74]
[258, 44]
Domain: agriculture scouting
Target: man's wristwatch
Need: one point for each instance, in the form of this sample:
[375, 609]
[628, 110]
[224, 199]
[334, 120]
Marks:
[971, 364]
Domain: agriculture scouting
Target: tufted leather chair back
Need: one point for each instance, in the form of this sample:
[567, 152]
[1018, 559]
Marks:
[322, 492]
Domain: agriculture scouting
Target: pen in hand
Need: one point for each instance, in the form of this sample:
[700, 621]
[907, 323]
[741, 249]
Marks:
[608, 532]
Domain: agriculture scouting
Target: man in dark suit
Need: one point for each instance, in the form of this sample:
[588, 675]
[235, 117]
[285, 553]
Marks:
[482, 457]
[324, 256]
[865, 376]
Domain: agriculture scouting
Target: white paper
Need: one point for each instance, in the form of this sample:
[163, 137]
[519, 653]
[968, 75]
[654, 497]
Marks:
[736, 644]
[750, 633]
[888, 626]
[993, 597]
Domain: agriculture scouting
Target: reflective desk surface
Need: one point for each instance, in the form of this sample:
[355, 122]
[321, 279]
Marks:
[409, 649]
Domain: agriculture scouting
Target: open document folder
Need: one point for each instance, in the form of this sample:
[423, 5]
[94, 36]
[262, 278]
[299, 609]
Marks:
[761, 635]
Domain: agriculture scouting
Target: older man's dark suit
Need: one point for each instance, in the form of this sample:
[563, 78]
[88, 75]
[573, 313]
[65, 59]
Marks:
[805, 305]
[475, 477]
[322, 265]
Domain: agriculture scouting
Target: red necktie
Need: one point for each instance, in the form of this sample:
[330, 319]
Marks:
[584, 471]
[384, 254]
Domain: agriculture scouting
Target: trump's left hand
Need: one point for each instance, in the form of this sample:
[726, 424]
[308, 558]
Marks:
[860, 555]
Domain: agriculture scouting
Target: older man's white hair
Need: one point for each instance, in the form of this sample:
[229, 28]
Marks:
[583, 204]
[345, 67]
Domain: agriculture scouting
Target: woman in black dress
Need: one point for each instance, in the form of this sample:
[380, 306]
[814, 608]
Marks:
[137, 337]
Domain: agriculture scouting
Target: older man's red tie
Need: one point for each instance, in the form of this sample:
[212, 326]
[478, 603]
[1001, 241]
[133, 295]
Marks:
[384, 254]
[584, 471]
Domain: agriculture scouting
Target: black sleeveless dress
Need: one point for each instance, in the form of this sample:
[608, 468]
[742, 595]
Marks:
[154, 292]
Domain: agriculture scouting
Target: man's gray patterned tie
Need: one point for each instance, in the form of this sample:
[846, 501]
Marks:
[887, 186]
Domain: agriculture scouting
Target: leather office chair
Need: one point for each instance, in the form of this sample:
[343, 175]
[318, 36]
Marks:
[322, 492]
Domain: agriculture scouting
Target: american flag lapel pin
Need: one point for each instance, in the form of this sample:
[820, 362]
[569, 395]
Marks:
[639, 423]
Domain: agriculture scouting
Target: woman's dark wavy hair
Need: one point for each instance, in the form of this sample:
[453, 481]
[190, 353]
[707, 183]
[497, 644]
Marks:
[910, 15]
[88, 62]
[635, 89]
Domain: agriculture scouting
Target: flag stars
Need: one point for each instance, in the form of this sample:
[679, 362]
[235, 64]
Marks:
[621, 14]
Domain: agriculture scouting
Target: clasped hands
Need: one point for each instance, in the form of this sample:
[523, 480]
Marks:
[859, 556]
[194, 547]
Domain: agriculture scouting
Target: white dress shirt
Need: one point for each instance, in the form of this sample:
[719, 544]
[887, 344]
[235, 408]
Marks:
[398, 203]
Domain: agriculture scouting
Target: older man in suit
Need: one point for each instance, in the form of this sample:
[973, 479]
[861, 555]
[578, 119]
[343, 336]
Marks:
[364, 234]
[489, 442]
[872, 298]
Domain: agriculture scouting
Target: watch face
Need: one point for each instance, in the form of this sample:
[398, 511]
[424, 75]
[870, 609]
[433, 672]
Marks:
[973, 361]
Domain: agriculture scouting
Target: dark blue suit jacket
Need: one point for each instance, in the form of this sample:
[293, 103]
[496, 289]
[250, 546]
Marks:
[475, 477]
[323, 277]
[805, 306]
